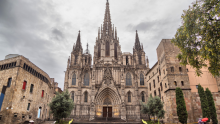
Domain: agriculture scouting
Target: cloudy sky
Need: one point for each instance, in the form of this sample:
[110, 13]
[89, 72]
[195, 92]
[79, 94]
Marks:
[44, 31]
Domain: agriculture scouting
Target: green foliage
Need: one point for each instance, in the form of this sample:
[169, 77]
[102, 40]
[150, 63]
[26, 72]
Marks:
[204, 102]
[181, 106]
[154, 107]
[212, 108]
[199, 36]
[62, 105]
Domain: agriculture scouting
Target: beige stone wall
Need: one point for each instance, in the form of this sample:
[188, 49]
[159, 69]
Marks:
[18, 99]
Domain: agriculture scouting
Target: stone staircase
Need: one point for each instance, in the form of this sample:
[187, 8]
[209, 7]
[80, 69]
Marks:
[103, 120]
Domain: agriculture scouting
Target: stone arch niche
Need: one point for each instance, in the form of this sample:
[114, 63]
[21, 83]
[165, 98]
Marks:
[109, 98]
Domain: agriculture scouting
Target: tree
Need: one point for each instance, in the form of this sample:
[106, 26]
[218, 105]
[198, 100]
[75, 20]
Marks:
[154, 107]
[61, 105]
[181, 106]
[199, 36]
[204, 102]
[145, 109]
[212, 108]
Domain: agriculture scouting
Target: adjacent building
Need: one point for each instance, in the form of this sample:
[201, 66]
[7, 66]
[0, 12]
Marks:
[26, 91]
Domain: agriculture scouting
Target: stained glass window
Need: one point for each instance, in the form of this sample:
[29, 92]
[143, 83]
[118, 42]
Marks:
[86, 79]
[74, 79]
[128, 79]
[141, 79]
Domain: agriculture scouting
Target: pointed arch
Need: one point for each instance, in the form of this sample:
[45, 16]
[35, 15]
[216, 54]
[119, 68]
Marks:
[74, 79]
[115, 50]
[86, 79]
[141, 79]
[128, 79]
[107, 49]
[99, 50]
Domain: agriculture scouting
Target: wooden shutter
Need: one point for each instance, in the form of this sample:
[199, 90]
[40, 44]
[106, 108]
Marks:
[42, 93]
[24, 85]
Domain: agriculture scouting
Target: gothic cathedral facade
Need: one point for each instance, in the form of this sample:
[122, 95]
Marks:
[115, 84]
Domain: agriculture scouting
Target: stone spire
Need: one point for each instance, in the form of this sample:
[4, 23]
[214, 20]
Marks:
[68, 62]
[137, 43]
[78, 45]
[87, 49]
[147, 62]
[107, 25]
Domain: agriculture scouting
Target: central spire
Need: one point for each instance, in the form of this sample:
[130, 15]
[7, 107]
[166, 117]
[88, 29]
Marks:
[107, 25]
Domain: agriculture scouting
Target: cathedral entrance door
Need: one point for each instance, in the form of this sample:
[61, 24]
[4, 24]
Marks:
[107, 111]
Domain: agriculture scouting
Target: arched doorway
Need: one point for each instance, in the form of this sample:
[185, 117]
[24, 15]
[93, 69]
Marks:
[108, 103]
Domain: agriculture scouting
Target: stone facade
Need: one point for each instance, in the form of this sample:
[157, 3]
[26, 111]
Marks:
[113, 77]
[117, 82]
[21, 101]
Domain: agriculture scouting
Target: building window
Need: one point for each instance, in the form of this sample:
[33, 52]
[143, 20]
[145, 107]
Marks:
[172, 69]
[129, 96]
[141, 79]
[180, 69]
[115, 51]
[175, 83]
[28, 107]
[24, 85]
[99, 50]
[155, 93]
[72, 95]
[107, 49]
[76, 57]
[126, 60]
[142, 97]
[139, 58]
[161, 86]
[39, 112]
[197, 86]
[150, 86]
[74, 79]
[86, 97]
[42, 95]
[158, 79]
[128, 79]
[9, 82]
[159, 92]
[86, 79]
[165, 85]
[159, 72]
[182, 83]
[187, 70]
[31, 89]
[154, 83]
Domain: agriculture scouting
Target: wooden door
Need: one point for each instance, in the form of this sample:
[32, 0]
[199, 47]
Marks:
[109, 111]
[104, 111]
